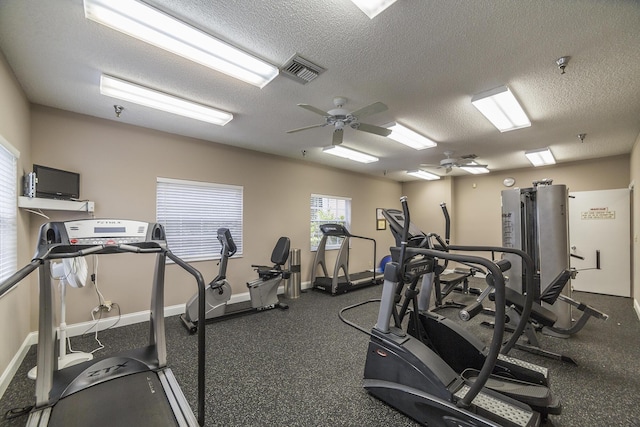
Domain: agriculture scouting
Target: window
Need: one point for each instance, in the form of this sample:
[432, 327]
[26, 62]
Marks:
[328, 209]
[8, 210]
[191, 213]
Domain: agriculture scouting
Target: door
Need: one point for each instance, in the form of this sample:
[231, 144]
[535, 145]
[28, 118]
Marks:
[599, 231]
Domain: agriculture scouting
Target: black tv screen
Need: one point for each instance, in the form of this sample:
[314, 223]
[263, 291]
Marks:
[56, 184]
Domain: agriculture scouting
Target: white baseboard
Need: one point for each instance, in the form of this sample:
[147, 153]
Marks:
[102, 324]
[11, 370]
[636, 305]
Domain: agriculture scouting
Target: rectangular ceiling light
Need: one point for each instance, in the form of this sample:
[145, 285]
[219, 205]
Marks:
[501, 108]
[373, 7]
[348, 153]
[150, 25]
[540, 157]
[121, 89]
[475, 170]
[423, 175]
[408, 137]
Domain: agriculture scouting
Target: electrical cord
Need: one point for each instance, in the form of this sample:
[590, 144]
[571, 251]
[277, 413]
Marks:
[17, 412]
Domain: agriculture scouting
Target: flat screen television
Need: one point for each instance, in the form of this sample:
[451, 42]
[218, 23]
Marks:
[56, 184]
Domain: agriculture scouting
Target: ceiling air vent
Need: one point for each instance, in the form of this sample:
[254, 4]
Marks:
[301, 70]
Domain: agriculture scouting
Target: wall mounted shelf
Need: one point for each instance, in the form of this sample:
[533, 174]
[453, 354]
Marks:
[54, 204]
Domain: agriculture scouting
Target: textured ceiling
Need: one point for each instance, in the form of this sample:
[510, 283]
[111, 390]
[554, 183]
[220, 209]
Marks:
[424, 59]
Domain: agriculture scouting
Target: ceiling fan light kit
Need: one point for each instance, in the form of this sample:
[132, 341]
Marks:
[348, 153]
[373, 7]
[423, 175]
[466, 163]
[501, 108]
[340, 118]
[127, 91]
[409, 137]
[138, 20]
[540, 157]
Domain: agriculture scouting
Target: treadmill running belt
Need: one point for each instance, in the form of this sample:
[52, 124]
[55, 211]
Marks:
[134, 400]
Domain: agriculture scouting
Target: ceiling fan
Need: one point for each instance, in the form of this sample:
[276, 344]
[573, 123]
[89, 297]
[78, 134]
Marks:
[340, 117]
[448, 163]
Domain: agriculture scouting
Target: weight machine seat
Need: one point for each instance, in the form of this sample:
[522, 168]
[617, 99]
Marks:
[538, 313]
[279, 257]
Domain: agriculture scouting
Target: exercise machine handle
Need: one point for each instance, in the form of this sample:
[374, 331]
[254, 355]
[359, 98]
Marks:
[201, 336]
[470, 311]
[405, 229]
[447, 222]
[16, 277]
[475, 308]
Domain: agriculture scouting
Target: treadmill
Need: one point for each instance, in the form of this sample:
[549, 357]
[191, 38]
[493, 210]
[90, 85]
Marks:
[133, 388]
[336, 283]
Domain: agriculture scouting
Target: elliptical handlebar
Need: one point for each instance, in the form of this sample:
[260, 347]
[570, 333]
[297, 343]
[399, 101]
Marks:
[496, 342]
[529, 287]
[447, 223]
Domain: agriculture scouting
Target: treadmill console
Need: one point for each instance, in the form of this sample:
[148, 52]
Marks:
[105, 232]
[71, 236]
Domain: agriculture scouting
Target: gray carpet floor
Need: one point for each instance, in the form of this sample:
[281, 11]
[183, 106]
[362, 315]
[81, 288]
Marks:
[303, 366]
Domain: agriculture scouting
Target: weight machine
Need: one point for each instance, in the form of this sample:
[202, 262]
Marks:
[536, 221]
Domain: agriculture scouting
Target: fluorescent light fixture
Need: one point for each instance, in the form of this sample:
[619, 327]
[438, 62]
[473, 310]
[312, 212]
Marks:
[410, 138]
[475, 170]
[121, 89]
[373, 7]
[501, 108]
[540, 157]
[423, 175]
[150, 25]
[348, 153]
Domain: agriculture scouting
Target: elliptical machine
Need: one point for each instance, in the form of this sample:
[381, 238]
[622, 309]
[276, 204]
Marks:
[405, 373]
[263, 291]
[452, 342]
[463, 351]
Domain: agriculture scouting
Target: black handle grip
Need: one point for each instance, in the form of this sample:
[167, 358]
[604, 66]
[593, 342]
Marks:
[503, 264]
[470, 311]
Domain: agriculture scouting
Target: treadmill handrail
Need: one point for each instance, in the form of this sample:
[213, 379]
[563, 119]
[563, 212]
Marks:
[201, 335]
[51, 253]
[339, 230]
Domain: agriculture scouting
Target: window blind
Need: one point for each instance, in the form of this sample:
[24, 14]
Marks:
[191, 213]
[8, 210]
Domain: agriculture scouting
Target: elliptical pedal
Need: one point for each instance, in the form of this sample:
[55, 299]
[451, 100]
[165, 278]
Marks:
[498, 410]
[544, 372]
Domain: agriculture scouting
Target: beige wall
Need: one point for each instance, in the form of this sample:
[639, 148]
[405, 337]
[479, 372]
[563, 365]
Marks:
[477, 197]
[119, 164]
[15, 307]
[635, 226]
[475, 207]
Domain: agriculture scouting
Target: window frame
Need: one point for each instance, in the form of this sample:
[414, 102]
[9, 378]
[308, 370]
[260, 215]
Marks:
[315, 235]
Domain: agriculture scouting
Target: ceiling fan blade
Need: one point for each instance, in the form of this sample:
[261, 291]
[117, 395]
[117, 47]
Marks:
[337, 136]
[306, 127]
[373, 129]
[376, 107]
[465, 165]
[314, 109]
